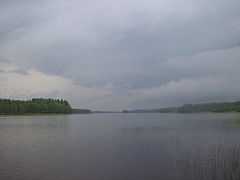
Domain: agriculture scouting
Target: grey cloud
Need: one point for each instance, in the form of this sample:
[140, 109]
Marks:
[4, 60]
[19, 71]
[128, 46]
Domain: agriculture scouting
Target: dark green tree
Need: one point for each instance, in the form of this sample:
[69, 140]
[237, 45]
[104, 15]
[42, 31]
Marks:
[39, 105]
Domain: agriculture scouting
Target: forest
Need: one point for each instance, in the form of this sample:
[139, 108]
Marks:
[210, 107]
[35, 106]
[205, 107]
[220, 107]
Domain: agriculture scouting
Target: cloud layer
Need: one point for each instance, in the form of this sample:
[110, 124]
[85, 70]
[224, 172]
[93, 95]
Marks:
[121, 54]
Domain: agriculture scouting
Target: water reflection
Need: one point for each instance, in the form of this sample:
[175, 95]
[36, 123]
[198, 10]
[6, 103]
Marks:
[120, 146]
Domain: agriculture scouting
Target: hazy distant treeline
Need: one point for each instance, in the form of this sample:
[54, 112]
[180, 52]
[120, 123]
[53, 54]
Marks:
[81, 111]
[211, 107]
[8, 106]
[194, 108]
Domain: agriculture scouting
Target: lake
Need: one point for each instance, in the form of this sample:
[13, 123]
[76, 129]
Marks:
[120, 147]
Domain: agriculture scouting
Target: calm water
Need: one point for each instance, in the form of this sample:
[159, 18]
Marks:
[120, 147]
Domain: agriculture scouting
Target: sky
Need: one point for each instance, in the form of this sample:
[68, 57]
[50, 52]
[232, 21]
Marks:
[120, 54]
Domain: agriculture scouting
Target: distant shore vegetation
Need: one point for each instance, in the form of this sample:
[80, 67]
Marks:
[221, 107]
[35, 106]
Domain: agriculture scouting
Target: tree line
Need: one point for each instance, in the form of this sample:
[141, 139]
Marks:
[194, 108]
[211, 107]
[8, 106]
[205, 107]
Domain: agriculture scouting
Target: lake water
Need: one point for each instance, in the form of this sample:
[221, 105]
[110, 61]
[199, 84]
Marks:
[120, 147]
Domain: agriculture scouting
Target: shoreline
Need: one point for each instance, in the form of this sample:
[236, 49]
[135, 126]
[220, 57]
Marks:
[61, 114]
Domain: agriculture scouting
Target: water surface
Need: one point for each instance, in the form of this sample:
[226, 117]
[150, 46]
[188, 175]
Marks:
[120, 147]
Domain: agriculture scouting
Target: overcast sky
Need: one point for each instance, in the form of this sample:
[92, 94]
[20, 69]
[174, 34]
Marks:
[120, 54]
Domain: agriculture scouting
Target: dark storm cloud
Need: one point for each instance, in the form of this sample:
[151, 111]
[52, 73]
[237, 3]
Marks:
[136, 49]
[3, 60]
[19, 71]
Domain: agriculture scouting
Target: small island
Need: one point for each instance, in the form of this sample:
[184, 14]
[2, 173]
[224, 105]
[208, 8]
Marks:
[37, 106]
